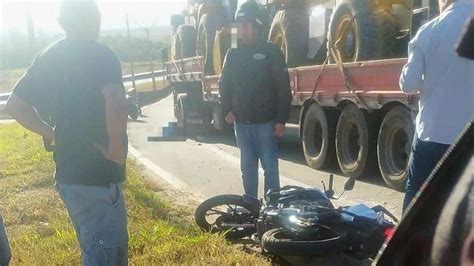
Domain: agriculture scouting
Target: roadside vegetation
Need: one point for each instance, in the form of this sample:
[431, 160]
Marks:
[8, 79]
[41, 233]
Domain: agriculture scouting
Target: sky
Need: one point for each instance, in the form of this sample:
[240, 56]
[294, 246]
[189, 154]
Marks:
[142, 13]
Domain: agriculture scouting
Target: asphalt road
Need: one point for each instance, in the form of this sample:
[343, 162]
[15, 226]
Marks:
[208, 165]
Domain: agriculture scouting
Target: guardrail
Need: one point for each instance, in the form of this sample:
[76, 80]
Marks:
[125, 78]
[144, 75]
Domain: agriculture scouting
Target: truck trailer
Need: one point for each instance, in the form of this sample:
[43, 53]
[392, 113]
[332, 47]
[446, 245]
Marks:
[346, 97]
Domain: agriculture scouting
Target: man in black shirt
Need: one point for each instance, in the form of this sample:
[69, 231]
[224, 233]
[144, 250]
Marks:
[73, 96]
[256, 97]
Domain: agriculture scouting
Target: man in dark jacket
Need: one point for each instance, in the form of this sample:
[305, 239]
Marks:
[256, 98]
[76, 85]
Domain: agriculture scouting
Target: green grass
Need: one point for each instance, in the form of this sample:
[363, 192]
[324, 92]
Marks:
[41, 233]
[8, 79]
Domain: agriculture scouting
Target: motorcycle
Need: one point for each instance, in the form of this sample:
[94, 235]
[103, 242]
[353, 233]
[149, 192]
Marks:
[297, 221]
[134, 109]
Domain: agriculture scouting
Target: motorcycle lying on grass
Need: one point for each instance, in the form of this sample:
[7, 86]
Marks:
[134, 109]
[297, 221]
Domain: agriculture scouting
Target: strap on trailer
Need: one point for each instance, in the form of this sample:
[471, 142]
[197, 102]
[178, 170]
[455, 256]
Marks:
[336, 53]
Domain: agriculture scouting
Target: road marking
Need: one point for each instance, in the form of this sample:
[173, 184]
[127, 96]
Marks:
[283, 179]
[177, 183]
[231, 158]
[163, 174]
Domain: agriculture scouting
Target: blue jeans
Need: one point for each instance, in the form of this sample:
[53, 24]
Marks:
[5, 254]
[257, 141]
[423, 159]
[99, 217]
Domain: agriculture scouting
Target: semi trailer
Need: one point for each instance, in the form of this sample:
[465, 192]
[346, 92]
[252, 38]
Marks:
[344, 57]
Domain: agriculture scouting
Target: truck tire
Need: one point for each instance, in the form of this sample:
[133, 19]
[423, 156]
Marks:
[393, 146]
[222, 43]
[278, 243]
[355, 141]
[372, 34]
[185, 42]
[289, 30]
[208, 25]
[318, 137]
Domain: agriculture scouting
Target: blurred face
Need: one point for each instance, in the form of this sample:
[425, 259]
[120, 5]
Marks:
[82, 23]
[246, 32]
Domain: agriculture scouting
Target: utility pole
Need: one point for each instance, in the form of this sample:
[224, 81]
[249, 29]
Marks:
[147, 30]
[130, 51]
[30, 27]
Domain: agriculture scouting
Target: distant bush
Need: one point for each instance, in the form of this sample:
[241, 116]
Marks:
[17, 52]
[142, 49]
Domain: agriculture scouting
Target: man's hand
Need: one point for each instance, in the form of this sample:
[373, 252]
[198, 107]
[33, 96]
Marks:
[230, 118]
[27, 116]
[114, 154]
[279, 129]
[48, 133]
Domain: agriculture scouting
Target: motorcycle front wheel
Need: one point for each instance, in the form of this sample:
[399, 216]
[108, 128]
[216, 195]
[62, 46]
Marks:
[279, 243]
[134, 112]
[228, 214]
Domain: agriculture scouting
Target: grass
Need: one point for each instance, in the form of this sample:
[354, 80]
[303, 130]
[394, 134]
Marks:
[8, 79]
[41, 233]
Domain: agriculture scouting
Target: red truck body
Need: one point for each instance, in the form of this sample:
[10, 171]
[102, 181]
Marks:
[370, 123]
[376, 82]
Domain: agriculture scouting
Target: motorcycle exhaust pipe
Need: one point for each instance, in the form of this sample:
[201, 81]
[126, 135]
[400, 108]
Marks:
[244, 226]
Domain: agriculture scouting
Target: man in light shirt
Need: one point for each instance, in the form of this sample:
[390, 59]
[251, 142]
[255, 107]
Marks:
[446, 84]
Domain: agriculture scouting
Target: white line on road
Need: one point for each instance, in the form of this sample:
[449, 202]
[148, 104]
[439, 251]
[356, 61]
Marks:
[231, 158]
[178, 184]
[283, 179]
[163, 174]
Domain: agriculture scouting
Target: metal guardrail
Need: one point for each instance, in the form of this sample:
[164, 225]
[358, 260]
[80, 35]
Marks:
[144, 75]
[126, 78]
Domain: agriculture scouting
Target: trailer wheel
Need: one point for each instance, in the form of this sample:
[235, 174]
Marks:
[289, 30]
[393, 148]
[184, 42]
[354, 141]
[208, 25]
[371, 35]
[318, 137]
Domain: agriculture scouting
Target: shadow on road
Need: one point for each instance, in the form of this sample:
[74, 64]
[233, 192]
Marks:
[150, 97]
[291, 150]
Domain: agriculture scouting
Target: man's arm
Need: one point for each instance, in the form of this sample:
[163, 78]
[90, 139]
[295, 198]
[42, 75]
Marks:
[116, 113]
[29, 93]
[27, 116]
[225, 85]
[411, 79]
